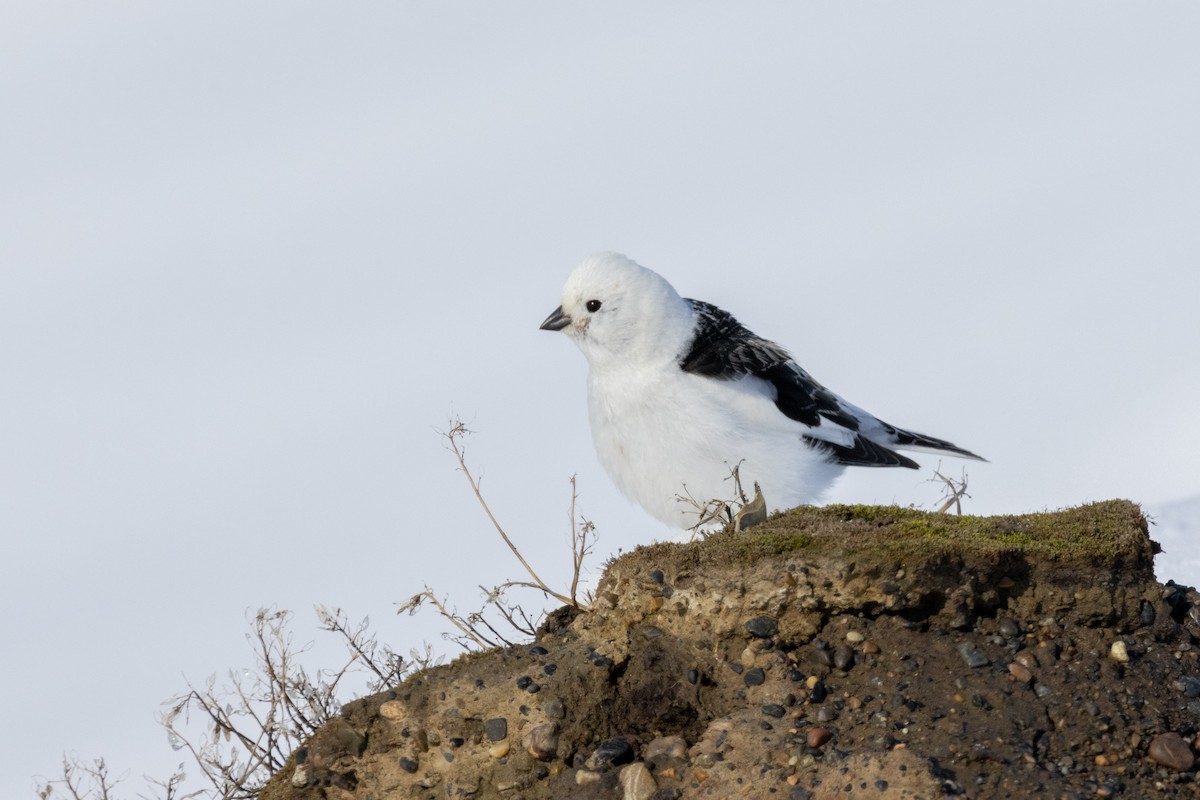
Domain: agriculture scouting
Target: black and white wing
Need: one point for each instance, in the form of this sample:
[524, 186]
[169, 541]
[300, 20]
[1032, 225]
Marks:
[725, 349]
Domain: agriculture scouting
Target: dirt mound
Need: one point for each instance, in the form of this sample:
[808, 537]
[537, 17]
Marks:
[831, 652]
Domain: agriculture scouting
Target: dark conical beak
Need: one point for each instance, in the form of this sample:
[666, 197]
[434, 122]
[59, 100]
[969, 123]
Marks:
[557, 320]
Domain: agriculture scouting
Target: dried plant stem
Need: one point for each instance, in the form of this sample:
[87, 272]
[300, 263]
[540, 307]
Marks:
[454, 436]
[953, 491]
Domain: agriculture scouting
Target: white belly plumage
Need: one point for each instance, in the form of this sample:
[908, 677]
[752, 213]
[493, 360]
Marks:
[664, 434]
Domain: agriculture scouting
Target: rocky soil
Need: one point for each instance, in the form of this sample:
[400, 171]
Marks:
[830, 652]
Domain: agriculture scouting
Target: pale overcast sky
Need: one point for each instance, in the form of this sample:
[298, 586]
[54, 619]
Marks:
[254, 257]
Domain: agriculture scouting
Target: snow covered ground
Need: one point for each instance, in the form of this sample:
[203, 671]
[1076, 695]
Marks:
[1177, 528]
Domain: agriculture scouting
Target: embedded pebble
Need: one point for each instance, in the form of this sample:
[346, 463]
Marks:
[870, 648]
[554, 709]
[693, 676]
[538, 650]
[392, 709]
[499, 750]
[1172, 752]
[611, 753]
[754, 677]
[762, 627]
[774, 710]
[1009, 628]
[843, 658]
[541, 741]
[1026, 658]
[854, 637]
[299, 777]
[636, 782]
[408, 765]
[1119, 652]
[585, 776]
[972, 655]
[1020, 672]
[817, 737]
[665, 747]
[496, 728]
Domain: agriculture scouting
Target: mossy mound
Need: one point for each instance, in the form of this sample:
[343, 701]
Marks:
[929, 654]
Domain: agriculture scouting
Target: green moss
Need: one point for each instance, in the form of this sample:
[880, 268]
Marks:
[1097, 531]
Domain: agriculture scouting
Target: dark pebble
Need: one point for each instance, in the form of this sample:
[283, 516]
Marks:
[457, 741]
[889, 587]
[533, 688]
[762, 627]
[538, 650]
[446, 754]
[408, 765]
[1189, 685]
[737, 668]
[693, 676]
[754, 677]
[1172, 752]
[881, 785]
[524, 681]
[610, 753]
[301, 756]
[799, 793]
[1009, 629]
[657, 576]
[1148, 613]
[843, 657]
[774, 710]
[819, 693]
[796, 675]
[496, 728]
[550, 669]
[667, 591]
[972, 655]
[554, 709]
[478, 684]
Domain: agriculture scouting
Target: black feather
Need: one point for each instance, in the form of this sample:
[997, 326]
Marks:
[725, 349]
[865, 453]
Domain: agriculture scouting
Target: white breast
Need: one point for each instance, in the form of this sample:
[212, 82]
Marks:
[663, 435]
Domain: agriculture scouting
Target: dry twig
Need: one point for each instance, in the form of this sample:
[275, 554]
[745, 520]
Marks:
[953, 491]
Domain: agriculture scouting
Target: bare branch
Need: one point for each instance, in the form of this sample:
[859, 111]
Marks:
[953, 491]
[457, 431]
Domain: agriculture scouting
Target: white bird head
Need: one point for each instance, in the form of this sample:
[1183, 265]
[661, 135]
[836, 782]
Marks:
[618, 311]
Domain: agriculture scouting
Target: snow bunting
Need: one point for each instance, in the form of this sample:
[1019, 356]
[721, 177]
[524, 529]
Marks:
[680, 392]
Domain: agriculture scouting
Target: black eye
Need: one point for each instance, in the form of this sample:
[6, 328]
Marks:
[593, 306]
